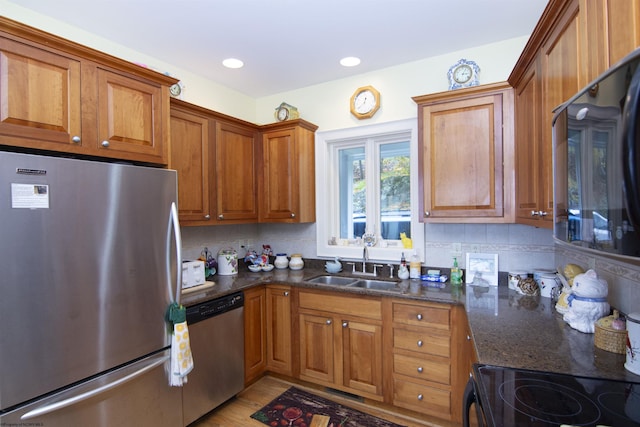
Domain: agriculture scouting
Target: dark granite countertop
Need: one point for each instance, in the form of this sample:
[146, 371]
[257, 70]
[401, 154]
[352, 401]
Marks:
[508, 329]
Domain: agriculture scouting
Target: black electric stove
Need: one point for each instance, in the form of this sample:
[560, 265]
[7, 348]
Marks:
[516, 397]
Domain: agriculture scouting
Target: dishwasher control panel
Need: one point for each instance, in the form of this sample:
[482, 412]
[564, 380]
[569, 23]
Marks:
[214, 307]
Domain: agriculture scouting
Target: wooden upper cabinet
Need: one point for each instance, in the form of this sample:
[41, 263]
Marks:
[286, 191]
[466, 154]
[131, 117]
[39, 97]
[235, 160]
[60, 96]
[190, 157]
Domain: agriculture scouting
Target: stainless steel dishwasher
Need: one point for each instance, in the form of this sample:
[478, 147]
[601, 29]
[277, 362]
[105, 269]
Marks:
[216, 331]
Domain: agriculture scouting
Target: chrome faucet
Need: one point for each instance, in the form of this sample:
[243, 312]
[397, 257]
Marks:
[365, 258]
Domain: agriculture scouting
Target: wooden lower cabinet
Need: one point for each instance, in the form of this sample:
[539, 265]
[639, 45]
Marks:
[255, 346]
[278, 329]
[341, 342]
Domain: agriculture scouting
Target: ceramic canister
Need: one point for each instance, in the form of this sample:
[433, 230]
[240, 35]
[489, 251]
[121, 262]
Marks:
[227, 262]
[549, 285]
[633, 343]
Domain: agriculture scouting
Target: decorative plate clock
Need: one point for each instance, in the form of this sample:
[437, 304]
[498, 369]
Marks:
[365, 101]
[285, 111]
[176, 90]
[463, 74]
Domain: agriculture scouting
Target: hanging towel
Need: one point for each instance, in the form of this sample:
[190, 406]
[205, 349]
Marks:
[181, 358]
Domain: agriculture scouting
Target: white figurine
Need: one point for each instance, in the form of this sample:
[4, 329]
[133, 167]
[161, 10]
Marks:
[587, 302]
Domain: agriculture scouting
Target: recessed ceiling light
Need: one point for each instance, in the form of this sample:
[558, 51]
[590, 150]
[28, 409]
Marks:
[350, 61]
[232, 63]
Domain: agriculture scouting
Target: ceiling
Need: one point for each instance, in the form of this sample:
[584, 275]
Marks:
[290, 44]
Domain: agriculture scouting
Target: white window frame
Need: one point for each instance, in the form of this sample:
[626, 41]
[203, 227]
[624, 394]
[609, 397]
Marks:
[327, 184]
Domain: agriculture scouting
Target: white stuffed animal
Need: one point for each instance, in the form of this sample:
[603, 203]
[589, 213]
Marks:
[587, 302]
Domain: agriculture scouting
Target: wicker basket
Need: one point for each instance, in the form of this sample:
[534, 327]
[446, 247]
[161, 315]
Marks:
[610, 339]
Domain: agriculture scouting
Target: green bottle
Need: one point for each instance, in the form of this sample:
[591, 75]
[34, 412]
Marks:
[456, 274]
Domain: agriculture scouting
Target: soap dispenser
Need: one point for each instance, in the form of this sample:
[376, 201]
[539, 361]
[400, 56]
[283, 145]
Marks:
[415, 266]
[403, 271]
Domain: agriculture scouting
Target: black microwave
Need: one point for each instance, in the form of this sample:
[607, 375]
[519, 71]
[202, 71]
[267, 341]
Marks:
[596, 162]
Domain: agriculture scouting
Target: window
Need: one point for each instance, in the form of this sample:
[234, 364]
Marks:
[367, 184]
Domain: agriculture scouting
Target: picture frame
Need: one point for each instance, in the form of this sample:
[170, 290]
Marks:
[482, 269]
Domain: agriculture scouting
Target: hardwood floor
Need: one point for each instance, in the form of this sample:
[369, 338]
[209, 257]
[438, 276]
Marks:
[237, 411]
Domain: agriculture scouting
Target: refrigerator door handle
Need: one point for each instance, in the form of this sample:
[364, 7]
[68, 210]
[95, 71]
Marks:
[150, 364]
[175, 227]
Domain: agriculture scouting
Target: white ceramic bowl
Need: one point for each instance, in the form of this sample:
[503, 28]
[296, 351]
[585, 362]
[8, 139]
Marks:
[267, 267]
[253, 267]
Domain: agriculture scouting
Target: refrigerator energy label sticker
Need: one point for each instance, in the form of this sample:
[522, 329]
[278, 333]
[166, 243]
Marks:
[29, 196]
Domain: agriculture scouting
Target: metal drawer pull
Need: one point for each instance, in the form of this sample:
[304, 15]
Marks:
[420, 343]
[345, 324]
[207, 216]
[420, 397]
[105, 143]
[328, 322]
[420, 369]
[286, 293]
[419, 316]
[75, 139]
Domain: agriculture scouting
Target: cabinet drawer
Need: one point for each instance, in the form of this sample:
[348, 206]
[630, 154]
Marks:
[360, 307]
[422, 341]
[421, 315]
[427, 368]
[422, 398]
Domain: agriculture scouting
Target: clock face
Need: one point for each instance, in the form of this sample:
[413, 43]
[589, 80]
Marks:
[283, 114]
[175, 90]
[462, 74]
[365, 102]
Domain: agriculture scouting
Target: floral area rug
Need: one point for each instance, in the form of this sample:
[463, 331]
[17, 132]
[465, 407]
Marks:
[298, 408]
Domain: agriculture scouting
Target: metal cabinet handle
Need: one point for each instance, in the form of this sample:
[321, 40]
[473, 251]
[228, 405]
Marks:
[286, 293]
[207, 216]
[419, 317]
[420, 343]
[420, 369]
[420, 397]
[105, 143]
[542, 213]
[468, 338]
[293, 215]
[220, 216]
[345, 324]
[76, 139]
[427, 214]
[328, 322]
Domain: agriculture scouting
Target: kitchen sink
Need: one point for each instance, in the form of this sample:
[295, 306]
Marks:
[333, 280]
[380, 285]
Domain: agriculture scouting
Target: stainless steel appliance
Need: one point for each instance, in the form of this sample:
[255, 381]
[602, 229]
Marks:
[518, 397]
[89, 259]
[216, 330]
[597, 164]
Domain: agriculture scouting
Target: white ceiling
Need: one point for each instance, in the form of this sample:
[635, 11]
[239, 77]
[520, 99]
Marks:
[290, 44]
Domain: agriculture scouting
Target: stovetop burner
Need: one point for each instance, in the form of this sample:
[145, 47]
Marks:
[514, 397]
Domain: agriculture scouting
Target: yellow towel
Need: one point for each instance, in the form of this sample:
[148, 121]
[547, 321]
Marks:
[181, 358]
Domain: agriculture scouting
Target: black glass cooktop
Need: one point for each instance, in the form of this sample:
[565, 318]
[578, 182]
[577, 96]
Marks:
[514, 397]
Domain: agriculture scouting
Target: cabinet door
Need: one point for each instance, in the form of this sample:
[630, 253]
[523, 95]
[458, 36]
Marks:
[462, 155]
[529, 161]
[235, 174]
[130, 118]
[317, 348]
[39, 98]
[287, 179]
[189, 156]
[362, 357]
[623, 24]
[279, 329]
[255, 357]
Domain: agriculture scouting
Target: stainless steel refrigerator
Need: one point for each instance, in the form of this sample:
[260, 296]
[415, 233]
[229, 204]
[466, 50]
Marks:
[88, 266]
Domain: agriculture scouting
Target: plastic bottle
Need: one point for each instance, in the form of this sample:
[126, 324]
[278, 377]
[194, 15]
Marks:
[415, 266]
[456, 274]
[403, 271]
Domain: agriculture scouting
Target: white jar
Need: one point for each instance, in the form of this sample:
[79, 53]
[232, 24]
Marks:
[632, 363]
[281, 261]
[296, 262]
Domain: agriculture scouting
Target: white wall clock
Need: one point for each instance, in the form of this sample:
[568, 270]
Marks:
[463, 74]
[176, 90]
